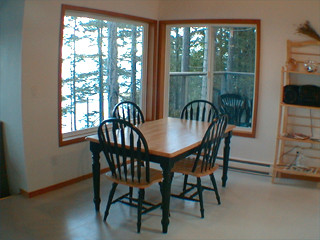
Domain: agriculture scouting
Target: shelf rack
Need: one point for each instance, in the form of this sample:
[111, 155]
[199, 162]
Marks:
[288, 122]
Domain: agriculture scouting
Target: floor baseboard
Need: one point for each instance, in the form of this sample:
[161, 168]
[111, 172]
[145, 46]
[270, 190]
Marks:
[58, 186]
[234, 164]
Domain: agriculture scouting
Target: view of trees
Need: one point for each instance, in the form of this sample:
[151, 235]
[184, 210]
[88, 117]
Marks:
[102, 63]
[230, 51]
[101, 66]
[188, 66]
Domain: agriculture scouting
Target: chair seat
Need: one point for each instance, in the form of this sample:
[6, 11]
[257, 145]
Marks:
[155, 177]
[185, 166]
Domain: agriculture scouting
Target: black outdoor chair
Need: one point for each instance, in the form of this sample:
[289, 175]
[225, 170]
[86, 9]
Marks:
[203, 163]
[127, 155]
[128, 111]
[234, 106]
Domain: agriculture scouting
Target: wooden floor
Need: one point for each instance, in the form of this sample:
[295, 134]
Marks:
[252, 208]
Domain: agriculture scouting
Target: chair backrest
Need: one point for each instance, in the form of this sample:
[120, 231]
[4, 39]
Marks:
[209, 147]
[200, 110]
[128, 111]
[234, 106]
[125, 149]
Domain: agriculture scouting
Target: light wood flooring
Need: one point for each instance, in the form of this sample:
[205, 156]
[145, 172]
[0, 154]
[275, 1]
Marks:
[252, 208]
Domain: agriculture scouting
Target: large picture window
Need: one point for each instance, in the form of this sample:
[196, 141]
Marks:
[103, 61]
[215, 61]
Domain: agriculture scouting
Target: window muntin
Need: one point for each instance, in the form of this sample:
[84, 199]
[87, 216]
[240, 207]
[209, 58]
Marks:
[202, 52]
[102, 63]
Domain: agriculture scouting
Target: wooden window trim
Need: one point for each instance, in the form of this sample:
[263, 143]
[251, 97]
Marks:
[151, 65]
[161, 64]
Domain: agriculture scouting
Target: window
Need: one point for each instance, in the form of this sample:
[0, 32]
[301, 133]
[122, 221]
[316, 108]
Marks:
[103, 59]
[213, 60]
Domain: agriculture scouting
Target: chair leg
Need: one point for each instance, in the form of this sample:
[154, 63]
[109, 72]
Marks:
[185, 182]
[200, 196]
[130, 194]
[111, 194]
[213, 180]
[140, 200]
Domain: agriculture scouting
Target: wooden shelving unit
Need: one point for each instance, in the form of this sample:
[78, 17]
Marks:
[296, 157]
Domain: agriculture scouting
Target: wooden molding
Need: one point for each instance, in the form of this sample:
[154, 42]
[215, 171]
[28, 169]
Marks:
[161, 64]
[151, 61]
[156, 71]
[161, 69]
[65, 7]
[211, 21]
[59, 185]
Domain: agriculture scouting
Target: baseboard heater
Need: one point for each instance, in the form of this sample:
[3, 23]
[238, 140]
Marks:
[248, 166]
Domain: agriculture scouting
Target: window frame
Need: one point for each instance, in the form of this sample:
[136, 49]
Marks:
[164, 59]
[149, 76]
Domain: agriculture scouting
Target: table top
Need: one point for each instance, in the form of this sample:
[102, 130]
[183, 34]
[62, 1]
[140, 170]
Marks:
[169, 137]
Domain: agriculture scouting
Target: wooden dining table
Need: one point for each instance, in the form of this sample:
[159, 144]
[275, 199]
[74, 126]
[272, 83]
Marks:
[169, 140]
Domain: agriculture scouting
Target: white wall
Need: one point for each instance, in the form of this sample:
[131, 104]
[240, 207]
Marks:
[11, 16]
[279, 20]
[32, 89]
[43, 162]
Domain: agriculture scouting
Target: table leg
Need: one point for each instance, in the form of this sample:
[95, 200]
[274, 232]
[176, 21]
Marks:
[166, 193]
[226, 152]
[95, 149]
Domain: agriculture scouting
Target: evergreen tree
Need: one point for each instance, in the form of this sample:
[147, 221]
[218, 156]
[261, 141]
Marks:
[95, 73]
[112, 73]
